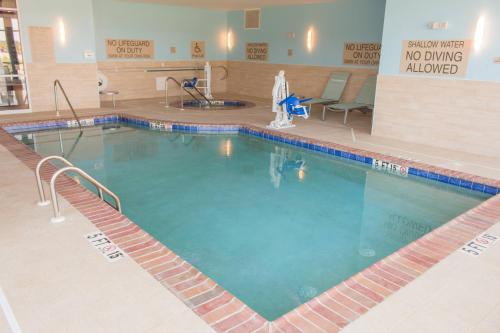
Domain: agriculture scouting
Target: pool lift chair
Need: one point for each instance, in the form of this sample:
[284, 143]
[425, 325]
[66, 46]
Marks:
[286, 106]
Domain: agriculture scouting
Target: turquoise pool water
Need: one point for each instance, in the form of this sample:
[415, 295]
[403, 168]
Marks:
[273, 224]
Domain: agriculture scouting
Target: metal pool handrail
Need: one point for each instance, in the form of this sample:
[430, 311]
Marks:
[170, 78]
[100, 188]
[56, 101]
[41, 193]
[226, 72]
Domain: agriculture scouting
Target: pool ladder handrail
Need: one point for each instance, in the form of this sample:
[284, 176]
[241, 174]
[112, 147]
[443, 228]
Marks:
[181, 86]
[70, 167]
[41, 193]
[57, 83]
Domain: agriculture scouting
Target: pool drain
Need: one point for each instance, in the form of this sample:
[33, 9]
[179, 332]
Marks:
[367, 252]
[307, 292]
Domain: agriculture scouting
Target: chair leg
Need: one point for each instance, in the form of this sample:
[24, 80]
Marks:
[345, 116]
[324, 113]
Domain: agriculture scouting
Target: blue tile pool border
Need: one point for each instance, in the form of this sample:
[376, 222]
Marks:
[490, 187]
[34, 126]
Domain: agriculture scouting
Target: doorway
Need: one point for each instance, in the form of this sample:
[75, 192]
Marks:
[13, 89]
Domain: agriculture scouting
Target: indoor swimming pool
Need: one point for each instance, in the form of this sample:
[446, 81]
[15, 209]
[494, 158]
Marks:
[274, 224]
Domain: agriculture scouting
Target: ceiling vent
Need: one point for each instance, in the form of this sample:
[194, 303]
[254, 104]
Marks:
[252, 18]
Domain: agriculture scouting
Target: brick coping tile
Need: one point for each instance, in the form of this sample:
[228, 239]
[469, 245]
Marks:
[330, 311]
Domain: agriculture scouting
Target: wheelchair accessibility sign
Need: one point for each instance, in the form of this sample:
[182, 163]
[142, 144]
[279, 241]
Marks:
[197, 49]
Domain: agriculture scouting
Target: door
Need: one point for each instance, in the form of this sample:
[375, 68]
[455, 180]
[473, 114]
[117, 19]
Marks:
[13, 90]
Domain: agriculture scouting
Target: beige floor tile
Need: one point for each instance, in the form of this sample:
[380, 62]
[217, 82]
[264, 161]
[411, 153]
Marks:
[490, 323]
[456, 295]
[4, 324]
[431, 321]
[4, 327]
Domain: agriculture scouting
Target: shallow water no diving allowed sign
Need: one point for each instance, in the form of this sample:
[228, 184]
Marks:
[435, 57]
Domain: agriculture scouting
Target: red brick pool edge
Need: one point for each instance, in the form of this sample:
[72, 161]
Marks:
[329, 312]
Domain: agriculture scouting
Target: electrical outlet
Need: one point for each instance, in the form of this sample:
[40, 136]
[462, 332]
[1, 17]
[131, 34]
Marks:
[290, 52]
[291, 35]
[173, 50]
[438, 25]
[89, 55]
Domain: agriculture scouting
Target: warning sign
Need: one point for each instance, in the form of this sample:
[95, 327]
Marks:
[197, 49]
[366, 54]
[257, 51]
[130, 48]
[435, 57]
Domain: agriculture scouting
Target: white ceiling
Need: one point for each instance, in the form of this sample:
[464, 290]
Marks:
[232, 4]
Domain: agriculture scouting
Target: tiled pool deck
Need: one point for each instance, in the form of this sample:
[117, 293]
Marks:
[329, 312]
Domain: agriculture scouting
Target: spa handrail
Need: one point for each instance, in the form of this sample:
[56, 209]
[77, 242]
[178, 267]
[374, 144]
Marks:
[56, 101]
[170, 78]
[100, 188]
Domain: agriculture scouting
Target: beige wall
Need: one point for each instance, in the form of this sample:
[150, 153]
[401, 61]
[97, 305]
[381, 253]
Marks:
[257, 79]
[131, 80]
[79, 82]
[456, 114]
[247, 78]
[78, 79]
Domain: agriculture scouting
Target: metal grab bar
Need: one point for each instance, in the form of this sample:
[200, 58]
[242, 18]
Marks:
[173, 69]
[100, 188]
[170, 78]
[182, 69]
[226, 72]
[56, 101]
[41, 193]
